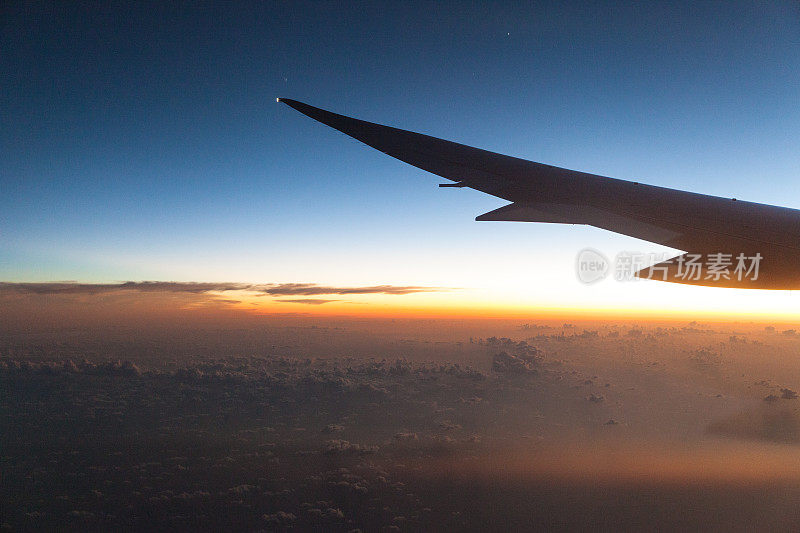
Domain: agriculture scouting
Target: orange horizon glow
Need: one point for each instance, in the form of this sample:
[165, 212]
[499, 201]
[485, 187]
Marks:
[438, 306]
[711, 305]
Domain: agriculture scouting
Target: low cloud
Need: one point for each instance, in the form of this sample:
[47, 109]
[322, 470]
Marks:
[69, 287]
[271, 289]
[309, 289]
[308, 301]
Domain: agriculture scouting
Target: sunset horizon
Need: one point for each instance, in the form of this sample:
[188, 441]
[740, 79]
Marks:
[397, 267]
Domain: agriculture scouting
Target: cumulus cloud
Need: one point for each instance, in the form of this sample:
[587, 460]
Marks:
[343, 447]
[771, 422]
[524, 363]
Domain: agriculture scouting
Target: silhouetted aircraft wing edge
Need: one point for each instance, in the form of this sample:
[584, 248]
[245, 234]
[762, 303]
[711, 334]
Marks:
[682, 220]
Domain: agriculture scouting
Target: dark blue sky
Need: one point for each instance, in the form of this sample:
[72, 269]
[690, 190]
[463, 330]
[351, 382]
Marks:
[144, 141]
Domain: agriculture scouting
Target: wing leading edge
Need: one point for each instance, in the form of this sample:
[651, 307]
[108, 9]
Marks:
[698, 224]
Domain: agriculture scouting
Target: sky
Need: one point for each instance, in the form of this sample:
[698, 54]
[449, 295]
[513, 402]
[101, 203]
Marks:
[143, 142]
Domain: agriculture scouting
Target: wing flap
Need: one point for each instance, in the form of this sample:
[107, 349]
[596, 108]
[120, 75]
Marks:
[552, 213]
[579, 214]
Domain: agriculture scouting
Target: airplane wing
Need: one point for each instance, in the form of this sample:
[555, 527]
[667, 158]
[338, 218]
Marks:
[757, 240]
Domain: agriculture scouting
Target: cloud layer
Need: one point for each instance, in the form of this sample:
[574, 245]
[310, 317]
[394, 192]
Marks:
[271, 289]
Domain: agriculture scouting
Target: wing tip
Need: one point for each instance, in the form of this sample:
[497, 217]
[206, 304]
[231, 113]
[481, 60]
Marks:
[288, 101]
[310, 111]
[291, 103]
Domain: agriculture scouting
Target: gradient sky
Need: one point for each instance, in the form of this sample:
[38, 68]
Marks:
[144, 142]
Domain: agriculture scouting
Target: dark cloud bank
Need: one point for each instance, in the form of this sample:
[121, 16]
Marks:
[535, 427]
